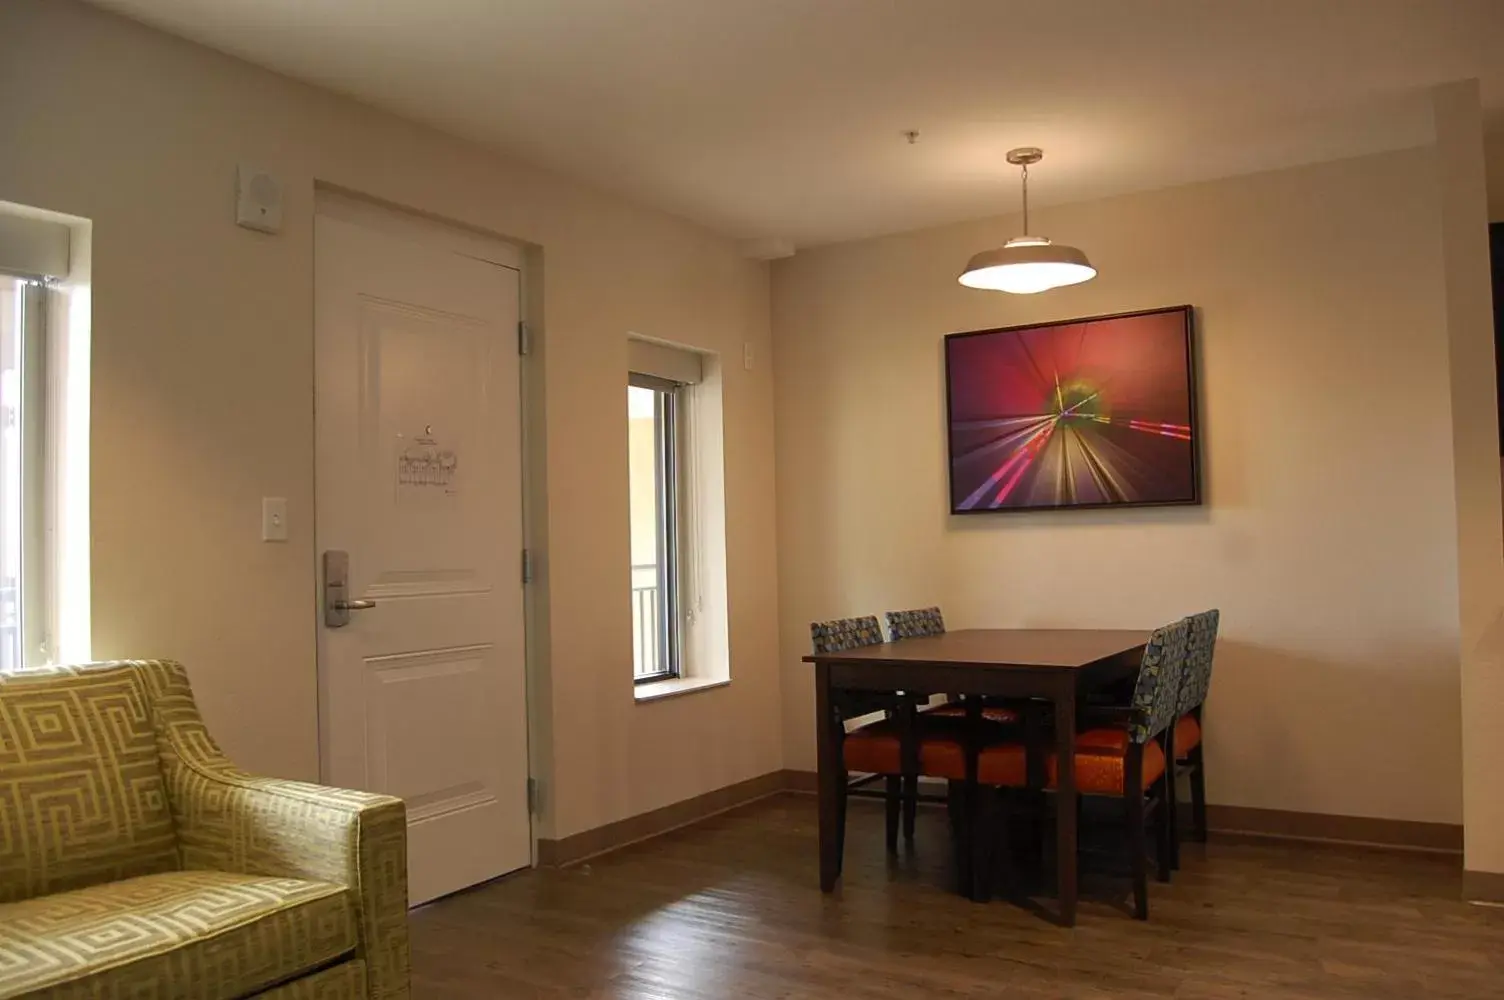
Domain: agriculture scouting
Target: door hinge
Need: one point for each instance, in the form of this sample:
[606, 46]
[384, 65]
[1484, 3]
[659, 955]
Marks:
[527, 566]
[532, 796]
[524, 339]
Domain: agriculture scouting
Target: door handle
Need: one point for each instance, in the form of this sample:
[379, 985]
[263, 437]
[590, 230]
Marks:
[337, 603]
[353, 605]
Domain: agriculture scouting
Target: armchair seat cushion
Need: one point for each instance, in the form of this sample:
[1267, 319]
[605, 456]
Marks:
[228, 936]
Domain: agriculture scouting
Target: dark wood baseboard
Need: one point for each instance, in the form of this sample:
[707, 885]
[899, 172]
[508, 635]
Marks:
[1483, 887]
[1285, 825]
[589, 843]
[801, 781]
[1226, 820]
[1409, 835]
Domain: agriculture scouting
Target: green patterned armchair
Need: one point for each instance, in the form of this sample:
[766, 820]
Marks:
[136, 863]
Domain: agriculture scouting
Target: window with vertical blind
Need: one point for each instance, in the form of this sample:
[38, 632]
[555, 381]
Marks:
[22, 632]
[43, 425]
[659, 379]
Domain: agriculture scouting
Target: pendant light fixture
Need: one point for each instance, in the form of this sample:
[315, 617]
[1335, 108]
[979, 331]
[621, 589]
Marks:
[1027, 264]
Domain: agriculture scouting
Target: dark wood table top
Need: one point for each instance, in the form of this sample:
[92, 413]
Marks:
[1029, 648]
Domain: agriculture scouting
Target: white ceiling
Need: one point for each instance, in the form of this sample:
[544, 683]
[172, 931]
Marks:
[783, 118]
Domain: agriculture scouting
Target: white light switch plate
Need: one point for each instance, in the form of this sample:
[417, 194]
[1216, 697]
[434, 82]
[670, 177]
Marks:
[274, 519]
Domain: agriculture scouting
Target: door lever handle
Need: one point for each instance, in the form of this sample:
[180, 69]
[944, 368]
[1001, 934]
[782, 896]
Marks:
[337, 606]
[353, 605]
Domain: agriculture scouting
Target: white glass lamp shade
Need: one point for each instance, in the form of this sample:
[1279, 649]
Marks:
[1027, 265]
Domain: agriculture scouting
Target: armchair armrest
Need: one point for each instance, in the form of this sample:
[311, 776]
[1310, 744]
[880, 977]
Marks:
[228, 820]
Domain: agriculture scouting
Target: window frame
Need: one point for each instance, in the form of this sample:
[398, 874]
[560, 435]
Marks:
[668, 471]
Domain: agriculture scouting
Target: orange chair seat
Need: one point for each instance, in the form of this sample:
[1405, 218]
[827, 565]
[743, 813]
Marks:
[956, 710]
[1100, 758]
[877, 749]
[1187, 734]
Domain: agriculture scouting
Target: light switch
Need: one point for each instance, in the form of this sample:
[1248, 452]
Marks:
[747, 355]
[274, 519]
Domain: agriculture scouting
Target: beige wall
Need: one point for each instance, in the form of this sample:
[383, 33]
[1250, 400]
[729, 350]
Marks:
[1328, 537]
[203, 383]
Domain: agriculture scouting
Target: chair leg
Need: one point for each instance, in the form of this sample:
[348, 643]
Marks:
[1164, 828]
[1171, 805]
[910, 806]
[1133, 798]
[1198, 794]
[894, 802]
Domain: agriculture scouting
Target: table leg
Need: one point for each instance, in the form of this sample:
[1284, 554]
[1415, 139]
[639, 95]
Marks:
[830, 774]
[1065, 803]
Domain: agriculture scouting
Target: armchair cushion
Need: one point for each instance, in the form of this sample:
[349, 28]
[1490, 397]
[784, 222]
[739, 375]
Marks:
[226, 935]
[82, 795]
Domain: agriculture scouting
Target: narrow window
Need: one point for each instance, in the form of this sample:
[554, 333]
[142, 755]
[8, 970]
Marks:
[24, 586]
[653, 406]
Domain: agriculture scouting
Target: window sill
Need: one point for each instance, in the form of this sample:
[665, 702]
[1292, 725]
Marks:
[658, 690]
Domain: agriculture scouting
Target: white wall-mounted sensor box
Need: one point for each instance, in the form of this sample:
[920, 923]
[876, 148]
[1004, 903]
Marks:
[258, 200]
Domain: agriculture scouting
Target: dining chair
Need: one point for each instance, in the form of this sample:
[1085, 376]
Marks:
[1123, 754]
[912, 624]
[890, 748]
[1189, 725]
[929, 621]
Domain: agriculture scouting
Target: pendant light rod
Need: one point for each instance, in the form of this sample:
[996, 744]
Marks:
[1026, 199]
[1021, 158]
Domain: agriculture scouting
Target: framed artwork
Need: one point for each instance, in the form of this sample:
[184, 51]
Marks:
[1095, 412]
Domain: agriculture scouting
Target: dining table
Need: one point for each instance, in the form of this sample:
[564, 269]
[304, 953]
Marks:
[1057, 665]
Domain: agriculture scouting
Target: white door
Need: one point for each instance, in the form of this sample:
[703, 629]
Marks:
[418, 480]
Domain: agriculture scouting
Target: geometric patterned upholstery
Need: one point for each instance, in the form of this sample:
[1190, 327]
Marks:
[227, 935]
[1198, 661]
[347, 979]
[1156, 694]
[82, 797]
[912, 624]
[842, 634]
[226, 820]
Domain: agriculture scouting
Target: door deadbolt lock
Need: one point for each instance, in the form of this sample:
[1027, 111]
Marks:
[337, 603]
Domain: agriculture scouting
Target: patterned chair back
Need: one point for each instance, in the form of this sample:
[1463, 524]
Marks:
[83, 794]
[1157, 692]
[845, 633]
[1198, 659]
[912, 624]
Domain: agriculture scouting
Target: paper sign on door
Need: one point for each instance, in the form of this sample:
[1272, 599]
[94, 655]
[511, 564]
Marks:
[426, 468]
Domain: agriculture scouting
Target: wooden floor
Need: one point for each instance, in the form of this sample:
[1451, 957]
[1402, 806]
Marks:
[730, 908]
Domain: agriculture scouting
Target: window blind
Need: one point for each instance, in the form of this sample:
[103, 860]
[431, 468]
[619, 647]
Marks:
[675, 364]
[33, 248]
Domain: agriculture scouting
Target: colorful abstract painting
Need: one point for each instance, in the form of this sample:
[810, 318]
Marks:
[1086, 413]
